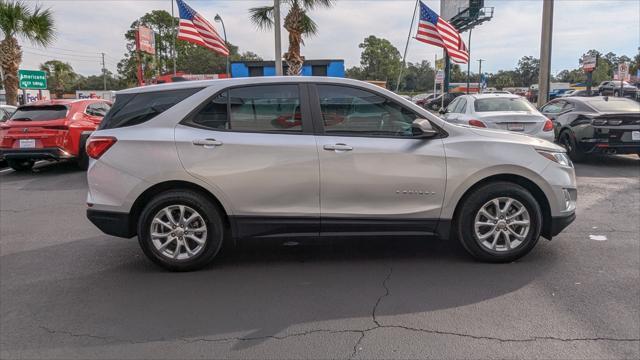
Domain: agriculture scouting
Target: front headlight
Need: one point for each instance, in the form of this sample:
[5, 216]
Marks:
[559, 157]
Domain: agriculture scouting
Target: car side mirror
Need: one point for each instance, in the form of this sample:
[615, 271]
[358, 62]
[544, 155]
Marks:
[442, 111]
[422, 128]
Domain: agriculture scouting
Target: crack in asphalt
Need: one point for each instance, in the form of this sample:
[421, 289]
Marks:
[362, 332]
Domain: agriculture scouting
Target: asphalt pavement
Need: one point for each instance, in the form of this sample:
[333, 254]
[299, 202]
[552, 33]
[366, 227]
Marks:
[69, 291]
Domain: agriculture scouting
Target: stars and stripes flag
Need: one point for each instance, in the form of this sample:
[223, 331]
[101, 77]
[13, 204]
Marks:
[434, 30]
[197, 30]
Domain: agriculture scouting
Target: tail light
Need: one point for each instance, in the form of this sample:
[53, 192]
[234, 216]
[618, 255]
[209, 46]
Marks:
[477, 123]
[97, 146]
[548, 125]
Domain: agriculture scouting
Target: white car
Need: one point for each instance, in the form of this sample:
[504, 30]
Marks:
[499, 111]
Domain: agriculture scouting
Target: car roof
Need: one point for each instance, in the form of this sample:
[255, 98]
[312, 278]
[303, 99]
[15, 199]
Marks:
[491, 96]
[223, 83]
[61, 102]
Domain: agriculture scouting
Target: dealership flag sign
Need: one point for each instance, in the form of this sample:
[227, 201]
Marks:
[32, 79]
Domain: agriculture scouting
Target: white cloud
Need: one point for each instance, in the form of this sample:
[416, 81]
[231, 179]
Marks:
[93, 26]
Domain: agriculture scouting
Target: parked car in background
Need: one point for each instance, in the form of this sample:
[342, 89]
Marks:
[613, 88]
[186, 166]
[420, 99]
[436, 102]
[6, 111]
[499, 111]
[557, 93]
[594, 92]
[496, 92]
[50, 130]
[605, 125]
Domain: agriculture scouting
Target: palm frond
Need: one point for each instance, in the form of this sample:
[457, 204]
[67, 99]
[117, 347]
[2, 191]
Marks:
[308, 26]
[39, 27]
[316, 4]
[262, 17]
[12, 14]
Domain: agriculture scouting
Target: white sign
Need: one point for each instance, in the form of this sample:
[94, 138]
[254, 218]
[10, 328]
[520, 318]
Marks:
[95, 94]
[589, 63]
[451, 8]
[440, 76]
[623, 70]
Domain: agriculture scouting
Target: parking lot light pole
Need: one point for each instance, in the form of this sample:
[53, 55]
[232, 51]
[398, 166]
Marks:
[276, 26]
[218, 18]
[480, 74]
[545, 52]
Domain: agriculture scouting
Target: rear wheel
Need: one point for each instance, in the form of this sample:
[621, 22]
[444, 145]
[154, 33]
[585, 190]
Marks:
[20, 165]
[568, 141]
[499, 222]
[180, 230]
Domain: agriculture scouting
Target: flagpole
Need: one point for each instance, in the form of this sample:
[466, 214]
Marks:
[173, 25]
[435, 73]
[406, 47]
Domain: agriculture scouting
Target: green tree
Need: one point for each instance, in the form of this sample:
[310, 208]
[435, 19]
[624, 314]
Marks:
[19, 21]
[297, 23]
[418, 77]
[60, 76]
[379, 60]
[528, 71]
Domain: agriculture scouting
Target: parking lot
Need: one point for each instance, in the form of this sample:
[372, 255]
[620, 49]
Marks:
[68, 291]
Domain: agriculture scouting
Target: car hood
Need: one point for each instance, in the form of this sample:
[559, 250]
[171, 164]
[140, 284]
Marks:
[511, 137]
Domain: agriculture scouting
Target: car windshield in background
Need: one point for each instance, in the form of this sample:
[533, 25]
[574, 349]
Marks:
[40, 113]
[615, 105]
[502, 104]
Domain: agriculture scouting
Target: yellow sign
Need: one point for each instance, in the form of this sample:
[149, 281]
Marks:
[440, 64]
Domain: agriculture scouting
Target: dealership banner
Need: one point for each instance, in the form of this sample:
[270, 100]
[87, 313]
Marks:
[146, 40]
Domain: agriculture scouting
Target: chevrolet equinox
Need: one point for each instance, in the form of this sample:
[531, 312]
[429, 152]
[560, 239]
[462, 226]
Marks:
[189, 165]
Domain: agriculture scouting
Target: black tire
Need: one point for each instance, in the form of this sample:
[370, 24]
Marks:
[20, 165]
[475, 201]
[567, 140]
[83, 159]
[212, 218]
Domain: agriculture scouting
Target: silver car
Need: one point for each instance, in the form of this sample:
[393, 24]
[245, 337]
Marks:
[499, 111]
[188, 166]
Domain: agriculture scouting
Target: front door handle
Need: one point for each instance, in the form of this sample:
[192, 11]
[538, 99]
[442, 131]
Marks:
[338, 147]
[207, 142]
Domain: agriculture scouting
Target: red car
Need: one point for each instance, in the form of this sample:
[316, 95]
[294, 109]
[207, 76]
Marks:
[50, 130]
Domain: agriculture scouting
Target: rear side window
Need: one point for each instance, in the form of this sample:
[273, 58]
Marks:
[133, 109]
[40, 113]
[264, 108]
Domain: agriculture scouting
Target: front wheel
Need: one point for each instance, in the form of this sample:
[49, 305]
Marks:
[180, 230]
[499, 222]
[21, 165]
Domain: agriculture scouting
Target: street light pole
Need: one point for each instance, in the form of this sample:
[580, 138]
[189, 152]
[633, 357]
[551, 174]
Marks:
[218, 18]
[480, 74]
[276, 26]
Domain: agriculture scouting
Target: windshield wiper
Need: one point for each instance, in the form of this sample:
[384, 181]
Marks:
[22, 119]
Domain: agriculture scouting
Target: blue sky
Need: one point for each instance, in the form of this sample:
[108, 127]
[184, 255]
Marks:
[88, 27]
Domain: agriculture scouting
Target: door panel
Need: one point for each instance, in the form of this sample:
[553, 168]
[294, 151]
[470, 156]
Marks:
[371, 166]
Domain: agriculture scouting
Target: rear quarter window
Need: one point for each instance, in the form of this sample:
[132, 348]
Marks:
[137, 108]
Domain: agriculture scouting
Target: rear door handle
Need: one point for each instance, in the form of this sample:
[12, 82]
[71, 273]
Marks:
[338, 147]
[207, 142]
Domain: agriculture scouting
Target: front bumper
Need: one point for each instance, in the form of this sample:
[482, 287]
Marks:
[559, 223]
[34, 154]
[112, 223]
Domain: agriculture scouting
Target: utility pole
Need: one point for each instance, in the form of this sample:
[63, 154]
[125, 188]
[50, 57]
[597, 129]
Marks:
[545, 51]
[480, 74]
[276, 24]
[104, 74]
[174, 36]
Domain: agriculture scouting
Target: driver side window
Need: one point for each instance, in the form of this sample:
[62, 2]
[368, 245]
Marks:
[351, 111]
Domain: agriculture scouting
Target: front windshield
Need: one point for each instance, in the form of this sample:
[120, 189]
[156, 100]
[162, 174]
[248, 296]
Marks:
[502, 104]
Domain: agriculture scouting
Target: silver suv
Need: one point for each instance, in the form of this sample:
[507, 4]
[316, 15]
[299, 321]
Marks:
[189, 165]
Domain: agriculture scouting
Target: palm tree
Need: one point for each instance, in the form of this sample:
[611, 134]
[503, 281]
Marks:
[19, 21]
[60, 75]
[297, 23]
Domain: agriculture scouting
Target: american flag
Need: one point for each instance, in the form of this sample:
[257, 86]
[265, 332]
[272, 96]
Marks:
[434, 30]
[196, 29]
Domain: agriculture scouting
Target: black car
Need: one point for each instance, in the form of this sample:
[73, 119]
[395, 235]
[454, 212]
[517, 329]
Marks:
[436, 103]
[614, 88]
[601, 124]
[594, 92]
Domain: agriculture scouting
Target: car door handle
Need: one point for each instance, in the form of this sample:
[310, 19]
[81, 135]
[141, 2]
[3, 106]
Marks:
[207, 142]
[338, 147]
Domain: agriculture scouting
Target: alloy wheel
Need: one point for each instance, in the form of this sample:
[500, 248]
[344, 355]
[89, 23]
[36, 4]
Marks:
[502, 224]
[178, 232]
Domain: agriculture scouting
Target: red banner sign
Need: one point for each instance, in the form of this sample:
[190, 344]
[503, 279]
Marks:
[146, 40]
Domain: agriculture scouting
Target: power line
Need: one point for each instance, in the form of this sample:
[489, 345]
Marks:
[63, 54]
[96, 61]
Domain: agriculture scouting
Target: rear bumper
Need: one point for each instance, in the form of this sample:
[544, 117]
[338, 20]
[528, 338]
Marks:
[611, 148]
[35, 154]
[112, 223]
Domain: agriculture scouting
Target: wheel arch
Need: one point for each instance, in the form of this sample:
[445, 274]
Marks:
[148, 194]
[531, 186]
